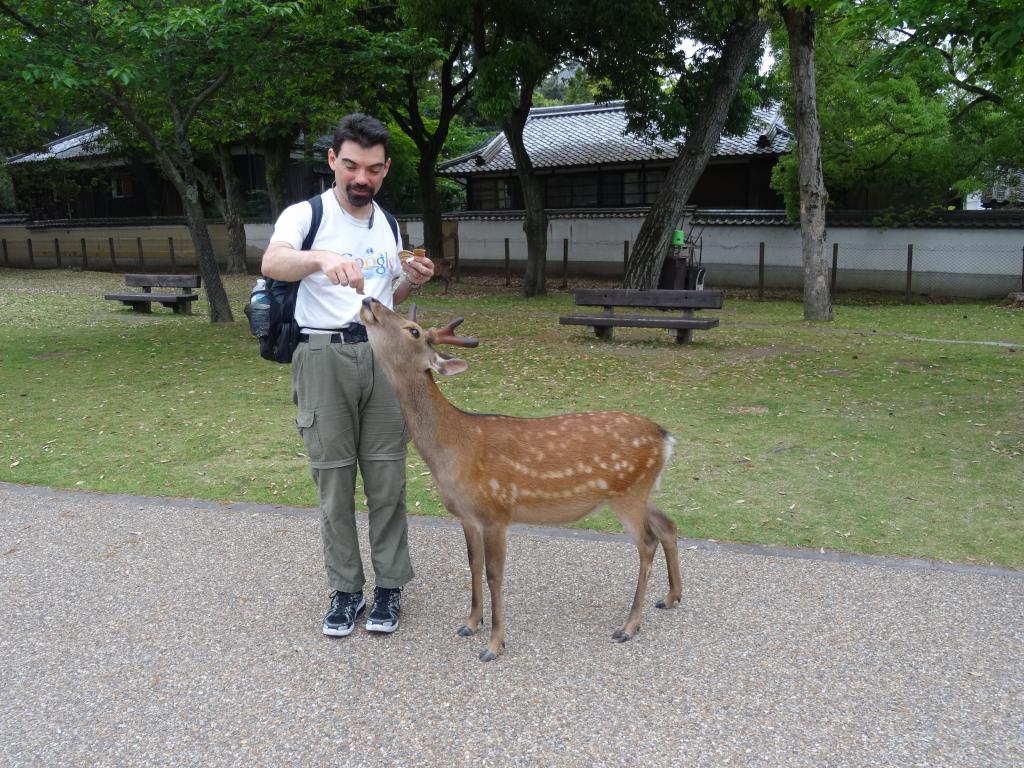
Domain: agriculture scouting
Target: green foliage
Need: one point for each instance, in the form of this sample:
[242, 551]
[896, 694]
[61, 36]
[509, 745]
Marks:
[556, 90]
[663, 63]
[581, 88]
[914, 108]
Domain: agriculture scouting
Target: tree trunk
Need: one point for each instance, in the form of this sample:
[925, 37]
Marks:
[536, 223]
[408, 116]
[231, 212]
[276, 154]
[220, 308]
[813, 196]
[186, 180]
[652, 243]
[183, 175]
[430, 204]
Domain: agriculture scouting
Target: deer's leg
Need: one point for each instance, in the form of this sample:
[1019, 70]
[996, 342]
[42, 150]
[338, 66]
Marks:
[475, 552]
[646, 544]
[665, 529]
[495, 546]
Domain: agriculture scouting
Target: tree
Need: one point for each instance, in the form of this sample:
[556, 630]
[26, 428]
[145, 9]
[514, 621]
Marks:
[973, 53]
[424, 78]
[897, 131]
[157, 64]
[666, 89]
[800, 23]
[516, 43]
[29, 121]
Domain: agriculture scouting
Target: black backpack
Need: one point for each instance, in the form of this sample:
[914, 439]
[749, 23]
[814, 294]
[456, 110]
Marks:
[280, 343]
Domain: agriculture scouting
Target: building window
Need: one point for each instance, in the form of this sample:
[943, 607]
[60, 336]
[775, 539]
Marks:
[576, 190]
[632, 188]
[653, 179]
[559, 192]
[491, 194]
[584, 190]
[642, 187]
[122, 185]
[611, 188]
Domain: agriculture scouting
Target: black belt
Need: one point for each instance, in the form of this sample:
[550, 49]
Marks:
[353, 334]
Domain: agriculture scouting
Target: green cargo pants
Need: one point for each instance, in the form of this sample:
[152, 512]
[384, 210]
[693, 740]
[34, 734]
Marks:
[348, 415]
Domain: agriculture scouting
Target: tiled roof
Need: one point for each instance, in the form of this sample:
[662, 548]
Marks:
[1009, 190]
[713, 216]
[635, 212]
[82, 144]
[95, 142]
[595, 134]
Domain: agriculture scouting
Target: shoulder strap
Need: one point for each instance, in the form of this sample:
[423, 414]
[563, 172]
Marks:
[393, 222]
[317, 204]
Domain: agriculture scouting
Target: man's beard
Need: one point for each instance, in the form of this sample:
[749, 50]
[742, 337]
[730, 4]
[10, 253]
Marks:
[359, 196]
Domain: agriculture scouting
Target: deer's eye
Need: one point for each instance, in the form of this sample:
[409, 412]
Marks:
[415, 332]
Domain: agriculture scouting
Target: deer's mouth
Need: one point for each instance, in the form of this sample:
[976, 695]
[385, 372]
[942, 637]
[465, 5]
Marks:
[366, 313]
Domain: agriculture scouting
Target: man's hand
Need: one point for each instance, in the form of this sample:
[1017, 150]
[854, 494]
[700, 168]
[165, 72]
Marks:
[417, 267]
[342, 271]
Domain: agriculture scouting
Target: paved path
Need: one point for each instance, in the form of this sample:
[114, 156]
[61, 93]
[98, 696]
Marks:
[178, 633]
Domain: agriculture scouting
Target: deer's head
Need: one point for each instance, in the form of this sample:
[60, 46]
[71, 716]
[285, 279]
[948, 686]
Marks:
[405, 347]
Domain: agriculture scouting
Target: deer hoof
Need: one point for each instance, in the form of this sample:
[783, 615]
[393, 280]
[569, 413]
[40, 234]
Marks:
[621, 636]
[488, 655]
[667, 603]
[465, 631]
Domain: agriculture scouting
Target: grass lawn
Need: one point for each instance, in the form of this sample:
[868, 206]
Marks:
[895, 429]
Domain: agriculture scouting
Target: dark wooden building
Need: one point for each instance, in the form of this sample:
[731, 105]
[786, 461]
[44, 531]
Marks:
[585, 159]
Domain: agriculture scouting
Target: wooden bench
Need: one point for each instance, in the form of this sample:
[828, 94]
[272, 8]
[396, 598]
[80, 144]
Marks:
[180, 302]
[667, 301]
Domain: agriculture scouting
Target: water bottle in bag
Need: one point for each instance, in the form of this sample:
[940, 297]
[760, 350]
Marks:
[258, 309]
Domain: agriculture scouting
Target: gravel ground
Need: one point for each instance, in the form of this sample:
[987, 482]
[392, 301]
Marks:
[168, 632]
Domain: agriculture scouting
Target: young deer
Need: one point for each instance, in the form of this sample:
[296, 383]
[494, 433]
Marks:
[495, 470]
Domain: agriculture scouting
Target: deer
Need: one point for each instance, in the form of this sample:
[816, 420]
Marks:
[494, 470]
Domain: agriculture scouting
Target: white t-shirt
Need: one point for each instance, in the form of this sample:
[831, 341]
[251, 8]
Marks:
[321, 305]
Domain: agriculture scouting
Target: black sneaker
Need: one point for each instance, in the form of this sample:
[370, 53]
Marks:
[384, 616]
[341, 619]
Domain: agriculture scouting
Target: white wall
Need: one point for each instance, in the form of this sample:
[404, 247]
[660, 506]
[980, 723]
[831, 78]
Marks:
[976, 261]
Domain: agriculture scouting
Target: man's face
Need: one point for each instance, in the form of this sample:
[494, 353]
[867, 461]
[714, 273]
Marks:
[359, 172]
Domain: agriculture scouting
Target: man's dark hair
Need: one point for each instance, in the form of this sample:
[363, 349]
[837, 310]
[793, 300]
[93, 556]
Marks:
[366, 131]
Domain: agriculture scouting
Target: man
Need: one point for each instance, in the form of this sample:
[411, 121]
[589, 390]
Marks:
[348, 413]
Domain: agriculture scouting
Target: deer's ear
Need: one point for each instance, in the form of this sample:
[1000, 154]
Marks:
[448, 366]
